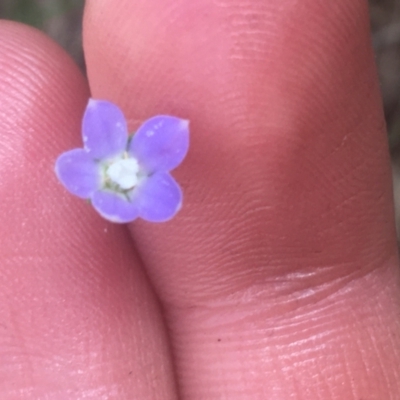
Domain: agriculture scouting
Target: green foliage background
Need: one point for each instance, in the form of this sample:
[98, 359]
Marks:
[60, 19]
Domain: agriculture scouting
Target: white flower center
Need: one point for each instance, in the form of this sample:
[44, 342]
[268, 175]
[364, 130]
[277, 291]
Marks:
[124, 173]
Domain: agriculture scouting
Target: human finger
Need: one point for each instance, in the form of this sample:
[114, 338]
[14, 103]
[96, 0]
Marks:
[280, 276]
[78, 316]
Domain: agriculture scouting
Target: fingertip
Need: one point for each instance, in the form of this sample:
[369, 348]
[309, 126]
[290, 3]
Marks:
[287, 185]
[74, 300]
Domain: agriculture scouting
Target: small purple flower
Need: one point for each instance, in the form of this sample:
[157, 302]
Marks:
[124, 176]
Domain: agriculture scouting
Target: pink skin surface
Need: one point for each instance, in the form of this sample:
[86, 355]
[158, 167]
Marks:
[279, 277]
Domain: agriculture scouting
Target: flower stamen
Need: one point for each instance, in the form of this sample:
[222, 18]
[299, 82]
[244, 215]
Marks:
[123, 173]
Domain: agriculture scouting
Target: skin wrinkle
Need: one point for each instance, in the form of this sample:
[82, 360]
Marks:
[300, 294]
[385, 380]
[296, 332]
[248, 41]
[383, 348]
[321, 62]
[292, 315]
[25, 62]
[243, 342]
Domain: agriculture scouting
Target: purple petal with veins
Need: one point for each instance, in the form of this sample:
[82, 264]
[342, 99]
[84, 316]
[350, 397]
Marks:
[78, 173]
[104, 129]
[161, 143]
[158, 198]
[114, 207]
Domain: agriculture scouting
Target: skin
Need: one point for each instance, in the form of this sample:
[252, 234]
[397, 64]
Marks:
[279, 278]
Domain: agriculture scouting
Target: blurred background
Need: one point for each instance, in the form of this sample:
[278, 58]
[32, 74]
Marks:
[62, 19]
[385, 23]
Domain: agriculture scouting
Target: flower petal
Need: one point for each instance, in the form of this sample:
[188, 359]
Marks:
[104, 129]
[158, 198]
[78, 172]
[114, 207]
[161, 143]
